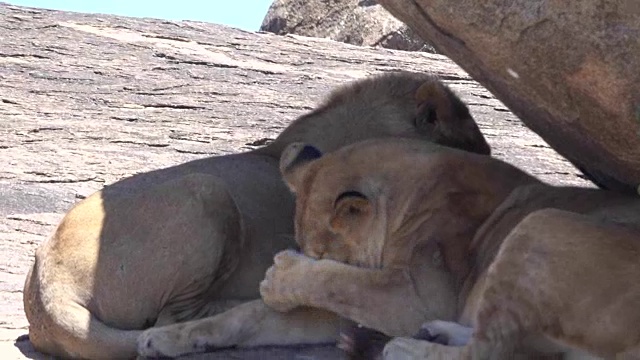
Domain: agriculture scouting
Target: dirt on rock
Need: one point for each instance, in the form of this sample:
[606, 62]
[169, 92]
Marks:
[86, 100]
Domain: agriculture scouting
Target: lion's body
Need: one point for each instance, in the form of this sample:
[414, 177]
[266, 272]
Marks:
[110, 256]
[534, 268]
[194, 240]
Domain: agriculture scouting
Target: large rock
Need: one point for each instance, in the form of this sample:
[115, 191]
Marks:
[86, 100]
[357, 22]
[569, 69]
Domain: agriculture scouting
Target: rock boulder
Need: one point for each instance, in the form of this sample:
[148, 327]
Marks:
[570, 72]
[357, 22]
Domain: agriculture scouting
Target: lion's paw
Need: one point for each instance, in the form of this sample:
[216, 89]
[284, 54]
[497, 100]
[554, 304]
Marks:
[445, 333]
[406, 349]
[409, 348]
[283, 287]
[168, 342]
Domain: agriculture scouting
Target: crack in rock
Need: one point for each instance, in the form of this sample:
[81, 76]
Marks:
[174, 106]
[24, 56]
[160, 145]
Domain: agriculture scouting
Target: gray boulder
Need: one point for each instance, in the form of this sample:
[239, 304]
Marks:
[357, 22]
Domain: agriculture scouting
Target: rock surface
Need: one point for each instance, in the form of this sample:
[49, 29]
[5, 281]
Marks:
[86, 100]
[571, 73]
[357, 22]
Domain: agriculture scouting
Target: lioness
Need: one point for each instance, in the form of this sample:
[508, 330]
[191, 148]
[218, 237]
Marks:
[494, 261]
[194, 240]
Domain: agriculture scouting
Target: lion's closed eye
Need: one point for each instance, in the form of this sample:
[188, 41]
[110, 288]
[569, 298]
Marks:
[348, 194]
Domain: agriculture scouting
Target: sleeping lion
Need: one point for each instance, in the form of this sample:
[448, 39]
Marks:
[476, 255]
[193, 241]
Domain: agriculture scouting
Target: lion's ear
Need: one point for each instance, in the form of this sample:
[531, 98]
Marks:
[294, 161]
[349, 207]
[434, 104]
[441, 113]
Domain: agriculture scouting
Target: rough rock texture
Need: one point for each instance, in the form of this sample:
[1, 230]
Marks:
[357, 22]
[86, 100]
[569, 70]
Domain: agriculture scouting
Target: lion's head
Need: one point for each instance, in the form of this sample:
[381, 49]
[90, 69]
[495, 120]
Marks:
[376, 202]
[395, 104]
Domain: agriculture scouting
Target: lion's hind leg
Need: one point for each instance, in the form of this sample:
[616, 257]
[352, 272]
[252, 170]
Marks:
[250, 324]
[118, 262]
[565, 276]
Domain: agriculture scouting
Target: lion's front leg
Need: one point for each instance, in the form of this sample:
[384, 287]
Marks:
[414, 349]
[249, 324]
[445, 340]
[381, 299]
[402, 348]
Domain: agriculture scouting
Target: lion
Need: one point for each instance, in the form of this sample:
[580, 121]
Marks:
[485, 260]
[194, 240]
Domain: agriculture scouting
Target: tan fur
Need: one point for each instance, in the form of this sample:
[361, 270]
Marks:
[486, 256]
[194, 240]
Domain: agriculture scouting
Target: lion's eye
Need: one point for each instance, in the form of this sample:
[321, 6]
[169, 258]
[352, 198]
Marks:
[349, 194]
[353, 210]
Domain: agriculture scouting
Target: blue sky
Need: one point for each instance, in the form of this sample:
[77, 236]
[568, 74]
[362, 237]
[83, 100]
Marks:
[244, 14]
